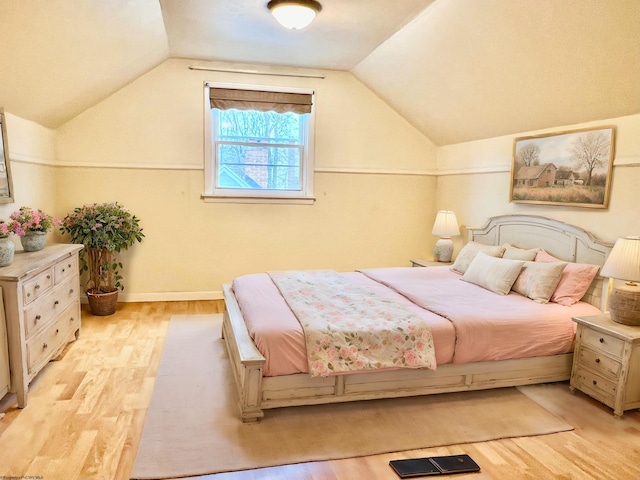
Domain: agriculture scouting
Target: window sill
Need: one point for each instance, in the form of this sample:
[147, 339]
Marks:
[209, 198]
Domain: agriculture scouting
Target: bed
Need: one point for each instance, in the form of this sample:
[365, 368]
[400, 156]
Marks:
[260, 389]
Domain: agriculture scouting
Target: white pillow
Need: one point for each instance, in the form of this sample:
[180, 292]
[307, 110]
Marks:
[515, 253]
[495, 274]
[469, 252]
[539, 280]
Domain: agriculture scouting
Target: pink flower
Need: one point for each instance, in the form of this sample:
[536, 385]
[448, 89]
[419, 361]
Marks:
[353, 352]
[319, 367]
[411, 358]
[30, 220]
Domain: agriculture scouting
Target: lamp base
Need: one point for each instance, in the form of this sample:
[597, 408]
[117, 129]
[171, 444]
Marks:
[445, 248]
[624, 305]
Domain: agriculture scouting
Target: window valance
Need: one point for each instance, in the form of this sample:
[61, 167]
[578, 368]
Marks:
[263, 101]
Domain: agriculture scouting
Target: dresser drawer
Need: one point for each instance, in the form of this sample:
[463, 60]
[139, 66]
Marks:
[43, 346]
[599, 363]
[65, 269]
[37, 286]
[47, 307]
[594, 385]
[603, 342]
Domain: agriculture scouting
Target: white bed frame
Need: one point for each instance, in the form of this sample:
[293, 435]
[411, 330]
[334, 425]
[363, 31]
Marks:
[258, 393]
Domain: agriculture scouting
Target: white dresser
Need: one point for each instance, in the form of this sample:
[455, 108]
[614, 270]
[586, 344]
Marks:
[42, 310]
[4, 355]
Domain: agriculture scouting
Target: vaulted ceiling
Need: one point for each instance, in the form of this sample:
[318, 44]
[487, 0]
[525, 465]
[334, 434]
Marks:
[458, 70]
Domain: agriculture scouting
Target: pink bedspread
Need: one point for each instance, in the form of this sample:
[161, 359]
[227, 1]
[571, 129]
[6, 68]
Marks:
[280, 338]
[468, 323]
[488, 326]
[350, 327]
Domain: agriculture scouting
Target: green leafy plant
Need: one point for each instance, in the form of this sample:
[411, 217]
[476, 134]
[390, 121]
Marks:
[104, 229]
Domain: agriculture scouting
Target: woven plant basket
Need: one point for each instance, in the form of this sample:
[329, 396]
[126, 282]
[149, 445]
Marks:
[103, 304]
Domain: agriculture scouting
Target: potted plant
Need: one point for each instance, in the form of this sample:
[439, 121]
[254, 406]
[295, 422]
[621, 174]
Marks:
[31, 226]
[7, 248]
[105, 229]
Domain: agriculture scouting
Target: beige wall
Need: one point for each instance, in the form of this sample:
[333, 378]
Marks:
[474, 181]
[31, 154]
[376, 183]
[143, 147]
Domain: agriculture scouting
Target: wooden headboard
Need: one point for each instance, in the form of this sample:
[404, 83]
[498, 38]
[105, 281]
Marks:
[562, 240]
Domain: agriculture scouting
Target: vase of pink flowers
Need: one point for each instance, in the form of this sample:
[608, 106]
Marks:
[32, 225]
[7, 247]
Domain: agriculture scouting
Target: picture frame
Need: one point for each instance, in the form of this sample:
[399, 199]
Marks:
[6, 182]
[571, 168]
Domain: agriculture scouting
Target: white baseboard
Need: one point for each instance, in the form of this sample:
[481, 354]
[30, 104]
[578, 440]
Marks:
[165, 296]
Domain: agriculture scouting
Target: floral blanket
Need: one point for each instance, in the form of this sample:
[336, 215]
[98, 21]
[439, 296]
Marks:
[348, 327]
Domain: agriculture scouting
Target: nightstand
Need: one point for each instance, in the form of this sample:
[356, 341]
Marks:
[428, 263]
[606, 362]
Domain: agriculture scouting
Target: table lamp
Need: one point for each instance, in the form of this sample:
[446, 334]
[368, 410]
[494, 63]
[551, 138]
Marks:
[623, 263]
[445, 227]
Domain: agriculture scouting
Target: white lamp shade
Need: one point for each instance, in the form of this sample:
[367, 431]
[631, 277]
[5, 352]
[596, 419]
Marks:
[446, 224]
[294, 15]
[623, 262]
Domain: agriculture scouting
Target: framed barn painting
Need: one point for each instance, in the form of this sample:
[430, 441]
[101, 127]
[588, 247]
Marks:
[568, 168]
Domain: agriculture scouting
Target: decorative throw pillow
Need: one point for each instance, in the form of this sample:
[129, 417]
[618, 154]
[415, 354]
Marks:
[470, 250]
[574, 282]
[538, 280]
[492, 273]
[515, 253]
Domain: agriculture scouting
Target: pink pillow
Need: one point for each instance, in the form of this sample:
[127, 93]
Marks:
[574, 282]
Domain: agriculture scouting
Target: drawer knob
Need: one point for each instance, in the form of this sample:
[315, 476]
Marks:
[37, 286]
[44, 346]
[57, 331]
[63, 270]
[601, 340]
[38, 317]
[71, 291]
[69, 265]
[48, 277]
[597, 360]
[595, 382]
[56, 303]
[71, 319]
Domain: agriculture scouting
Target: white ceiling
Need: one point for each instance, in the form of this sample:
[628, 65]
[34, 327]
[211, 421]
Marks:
[458, 70]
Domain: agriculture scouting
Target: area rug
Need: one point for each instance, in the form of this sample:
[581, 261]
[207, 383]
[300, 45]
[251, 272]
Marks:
[192, 426]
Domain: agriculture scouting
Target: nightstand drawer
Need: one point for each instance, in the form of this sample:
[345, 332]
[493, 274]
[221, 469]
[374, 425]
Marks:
[37, 286]
[594, 385]
[603, 342]
[599, 363]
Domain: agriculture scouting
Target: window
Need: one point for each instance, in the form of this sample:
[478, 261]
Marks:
[260, 144]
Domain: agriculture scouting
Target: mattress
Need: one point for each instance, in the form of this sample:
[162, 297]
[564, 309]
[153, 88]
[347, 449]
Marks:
[468, 323]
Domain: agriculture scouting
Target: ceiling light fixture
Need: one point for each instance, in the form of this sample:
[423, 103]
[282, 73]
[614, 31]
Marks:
[294, 14]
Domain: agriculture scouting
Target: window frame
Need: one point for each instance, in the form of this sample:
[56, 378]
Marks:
[212, 194]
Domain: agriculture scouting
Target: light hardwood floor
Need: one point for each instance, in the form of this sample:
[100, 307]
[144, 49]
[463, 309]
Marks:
[86, 412]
